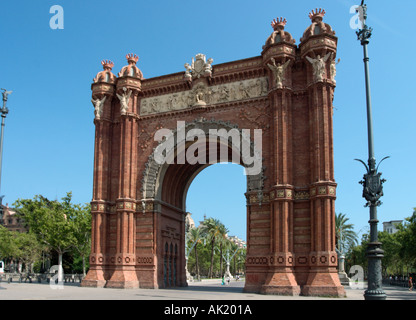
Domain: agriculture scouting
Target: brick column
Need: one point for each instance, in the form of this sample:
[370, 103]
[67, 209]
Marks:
[97, 274]
[280, 278]
[323, 277]
[123, 274]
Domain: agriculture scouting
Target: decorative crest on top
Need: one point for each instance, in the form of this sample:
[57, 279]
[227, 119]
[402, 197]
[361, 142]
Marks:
[279, 23]
[106, 75]
[317, 15]
[318, 27]
[279, 34]
[131, 69]
[132, 58]
[107, 64]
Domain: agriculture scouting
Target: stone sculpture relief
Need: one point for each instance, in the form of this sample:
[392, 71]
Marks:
[98, 106]
[319, 67]
[333, 68]
[124, 100]
[202, 95]
[278, 72]
[200, 66]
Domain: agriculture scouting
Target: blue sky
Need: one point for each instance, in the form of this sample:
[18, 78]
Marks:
[49, 133]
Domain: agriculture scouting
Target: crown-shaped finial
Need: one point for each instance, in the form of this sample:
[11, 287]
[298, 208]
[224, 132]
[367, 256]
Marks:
[317, 15]
[132, 58]
[279, 23]
[107, 64]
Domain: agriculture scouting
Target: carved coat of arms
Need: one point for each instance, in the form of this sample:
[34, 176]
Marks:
[200, 67]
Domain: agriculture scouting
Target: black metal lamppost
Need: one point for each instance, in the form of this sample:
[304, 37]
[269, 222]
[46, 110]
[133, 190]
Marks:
[4, 111]
[372, 182]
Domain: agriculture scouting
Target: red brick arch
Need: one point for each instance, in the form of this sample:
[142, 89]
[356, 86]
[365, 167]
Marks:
[138, 205]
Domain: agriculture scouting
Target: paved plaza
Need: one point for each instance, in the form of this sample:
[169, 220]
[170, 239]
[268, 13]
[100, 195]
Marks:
[205, 290]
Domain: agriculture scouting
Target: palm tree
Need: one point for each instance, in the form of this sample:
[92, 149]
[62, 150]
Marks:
[213, 229]
[344, 233]
[195, 237]
[238, 259]
[224, 244]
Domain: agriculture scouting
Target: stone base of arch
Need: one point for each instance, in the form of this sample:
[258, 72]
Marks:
[281, 283]
[323, 282]
[123, 278]
[95, 278]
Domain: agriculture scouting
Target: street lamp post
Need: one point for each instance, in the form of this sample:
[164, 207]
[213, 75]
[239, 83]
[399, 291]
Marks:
[372, 182]
[4, 112]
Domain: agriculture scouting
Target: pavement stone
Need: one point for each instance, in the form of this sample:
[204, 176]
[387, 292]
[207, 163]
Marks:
[200, 300]
[204, 290]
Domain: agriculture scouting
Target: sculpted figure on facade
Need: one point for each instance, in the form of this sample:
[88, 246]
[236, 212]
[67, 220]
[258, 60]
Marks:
[261, 85]
[144, 107]
[319, 66]
[243, 91]
[182, 101]
[154, 105]
[188, 72]
[278, 72]
[124, 100]
[224, 94]
[98, 106]
[200, 95]
[333, 67]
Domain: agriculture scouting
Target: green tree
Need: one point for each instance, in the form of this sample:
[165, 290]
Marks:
[345, 236]
[213, 230]
[240, 260]
[50, 222]
[8, 245]
[406, 236]
[30, 249]
[195, 237]
[81, 218]
[391, 247]
[223, 244]
[357, 254]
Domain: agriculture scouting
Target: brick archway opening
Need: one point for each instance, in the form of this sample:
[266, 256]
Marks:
[170, 190]
[218, 192]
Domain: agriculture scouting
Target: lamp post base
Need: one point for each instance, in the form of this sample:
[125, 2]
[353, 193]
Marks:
[375, 295]
[375, 280]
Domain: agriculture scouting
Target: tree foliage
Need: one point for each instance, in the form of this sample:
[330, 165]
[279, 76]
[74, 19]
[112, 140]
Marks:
[345, 236]
[207, 257]
[399, 249]
[215, 232]
[57, 226]
[49, 221]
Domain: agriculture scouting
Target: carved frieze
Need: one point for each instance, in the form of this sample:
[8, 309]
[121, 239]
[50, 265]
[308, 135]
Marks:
[205, 95]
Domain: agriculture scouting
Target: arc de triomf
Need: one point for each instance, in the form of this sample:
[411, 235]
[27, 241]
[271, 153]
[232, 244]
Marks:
[138, 206]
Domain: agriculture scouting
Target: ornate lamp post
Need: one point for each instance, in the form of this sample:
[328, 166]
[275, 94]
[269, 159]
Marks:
[4, 112]
[372, 183]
